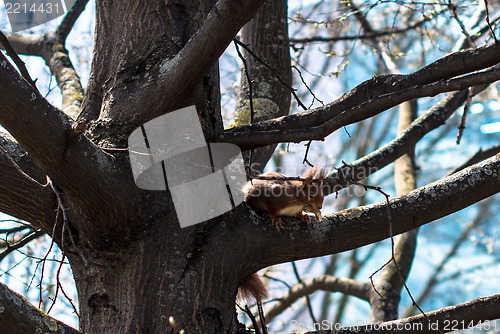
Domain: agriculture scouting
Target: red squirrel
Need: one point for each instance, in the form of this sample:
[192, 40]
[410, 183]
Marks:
[279, 196]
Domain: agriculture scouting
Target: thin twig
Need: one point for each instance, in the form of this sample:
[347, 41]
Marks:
[308, 300]
[40, 285]
[305, 161]
[249, 80]
[273, 70]
[17, 60]
[251, 316]
[261, 317]
[488, 21]
[315, 98]
[453, 10]
[70, 301]
[393, 255]
[461, 126]
[20, 243]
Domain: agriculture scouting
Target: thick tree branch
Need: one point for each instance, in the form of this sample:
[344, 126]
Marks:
[280, 130]
[462, 316]
[178, 76]
[69, 20]
[369, 164]
[22, 195]
[324, 282]
[26, 44]
[356, 227]
[15, 57]
[261, 95]
[47, 135]
[368, 99]
[51, 48]
[18, 316]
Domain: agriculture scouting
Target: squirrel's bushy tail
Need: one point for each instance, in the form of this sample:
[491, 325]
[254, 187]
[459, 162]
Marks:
[252, 286]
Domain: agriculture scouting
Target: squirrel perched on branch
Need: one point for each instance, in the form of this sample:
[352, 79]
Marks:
[278, 195]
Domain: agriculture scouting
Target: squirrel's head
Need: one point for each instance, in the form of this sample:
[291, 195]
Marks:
[313, 186]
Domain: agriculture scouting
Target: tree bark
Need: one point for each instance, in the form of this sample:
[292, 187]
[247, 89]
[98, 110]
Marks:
[134, 267]
[17, 316]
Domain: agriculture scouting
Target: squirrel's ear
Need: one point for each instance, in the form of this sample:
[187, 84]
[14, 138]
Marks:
[310, 173]
[322, 173]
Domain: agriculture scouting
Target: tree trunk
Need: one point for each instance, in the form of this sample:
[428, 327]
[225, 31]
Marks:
[168, 272]
[150, 269]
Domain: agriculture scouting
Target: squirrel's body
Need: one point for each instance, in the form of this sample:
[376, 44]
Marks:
[277, 196]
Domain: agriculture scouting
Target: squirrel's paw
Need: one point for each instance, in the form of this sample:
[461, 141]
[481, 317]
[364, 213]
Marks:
[304, 217]
[277, 223]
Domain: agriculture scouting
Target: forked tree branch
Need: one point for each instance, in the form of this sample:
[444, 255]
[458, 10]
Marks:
[46, 133]
[11, 247]
[372, 97]
[178, 76]
[18, 316]
[281, 130]
[51, 47]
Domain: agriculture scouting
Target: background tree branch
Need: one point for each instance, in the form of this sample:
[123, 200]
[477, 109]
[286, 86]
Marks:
[18, 316]
[266, 35]
[51, 47]
[385, 301]
[324, 282]
[281, 130]
[448, 319]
